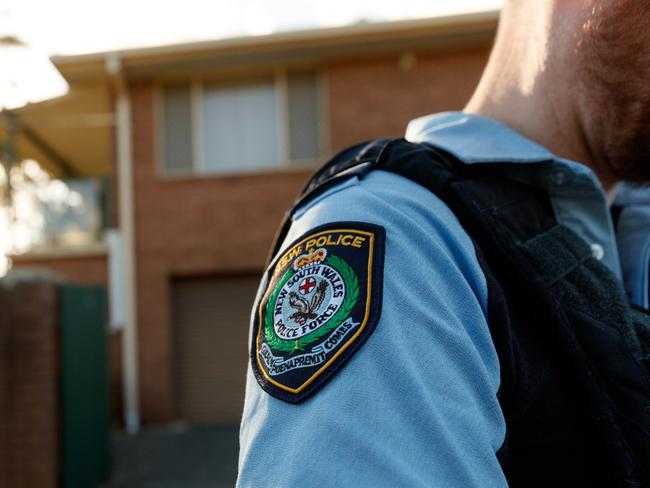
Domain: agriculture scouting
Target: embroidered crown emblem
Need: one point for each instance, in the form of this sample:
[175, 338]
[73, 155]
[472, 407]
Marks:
[311, 259]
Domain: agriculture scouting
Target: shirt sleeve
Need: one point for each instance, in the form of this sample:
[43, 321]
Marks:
[416, 405]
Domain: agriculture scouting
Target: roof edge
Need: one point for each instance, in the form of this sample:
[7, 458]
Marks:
[443, 25]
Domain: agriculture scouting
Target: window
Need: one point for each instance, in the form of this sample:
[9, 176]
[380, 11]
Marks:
[224, 127]
[239, 127]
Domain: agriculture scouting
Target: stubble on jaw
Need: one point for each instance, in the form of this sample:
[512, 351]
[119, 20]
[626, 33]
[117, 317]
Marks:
[614, 86]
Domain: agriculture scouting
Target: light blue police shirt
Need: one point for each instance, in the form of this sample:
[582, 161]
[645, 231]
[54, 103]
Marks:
[416, 405]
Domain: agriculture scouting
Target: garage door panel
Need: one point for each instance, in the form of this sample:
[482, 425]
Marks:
[211, 322]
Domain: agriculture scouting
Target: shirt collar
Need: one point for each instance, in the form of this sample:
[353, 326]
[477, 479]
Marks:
[476, 139]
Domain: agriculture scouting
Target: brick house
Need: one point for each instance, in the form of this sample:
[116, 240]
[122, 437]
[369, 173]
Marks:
[203, 146]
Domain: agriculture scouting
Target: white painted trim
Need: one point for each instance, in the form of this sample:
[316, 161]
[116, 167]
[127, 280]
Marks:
[442, 26]
[115, 279]
[130, 376]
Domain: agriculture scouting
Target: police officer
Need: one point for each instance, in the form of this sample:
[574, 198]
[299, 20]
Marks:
[375, 358]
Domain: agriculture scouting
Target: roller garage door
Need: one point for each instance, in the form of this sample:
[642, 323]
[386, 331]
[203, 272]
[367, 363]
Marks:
[210, 321]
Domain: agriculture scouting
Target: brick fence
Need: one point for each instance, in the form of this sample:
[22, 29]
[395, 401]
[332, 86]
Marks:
[29, 411]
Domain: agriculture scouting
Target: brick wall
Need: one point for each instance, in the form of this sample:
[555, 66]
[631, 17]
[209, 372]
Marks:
[190, 226]
[212, 225]
[29, 415]
[90, 269]
[377, 98]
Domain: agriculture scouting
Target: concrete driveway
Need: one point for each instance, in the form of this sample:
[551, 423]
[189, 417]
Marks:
[178, 456]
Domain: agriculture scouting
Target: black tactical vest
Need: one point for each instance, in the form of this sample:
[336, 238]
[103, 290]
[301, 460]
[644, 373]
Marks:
[574, 356]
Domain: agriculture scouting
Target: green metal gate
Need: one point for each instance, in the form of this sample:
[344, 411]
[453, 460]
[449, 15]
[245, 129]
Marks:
[85, 432]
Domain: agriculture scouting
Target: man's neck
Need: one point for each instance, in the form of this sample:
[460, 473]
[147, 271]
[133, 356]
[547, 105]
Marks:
[536, 96]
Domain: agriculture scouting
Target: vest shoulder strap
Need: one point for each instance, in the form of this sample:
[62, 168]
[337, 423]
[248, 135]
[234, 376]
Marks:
[359, 160]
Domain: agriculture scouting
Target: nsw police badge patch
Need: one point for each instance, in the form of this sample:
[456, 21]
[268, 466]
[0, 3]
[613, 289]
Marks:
[322, 300]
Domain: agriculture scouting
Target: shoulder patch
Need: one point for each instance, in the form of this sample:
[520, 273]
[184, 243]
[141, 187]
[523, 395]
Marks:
[322, 300]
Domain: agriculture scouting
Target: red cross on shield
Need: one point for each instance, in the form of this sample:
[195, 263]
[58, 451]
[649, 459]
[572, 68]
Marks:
[307, 285]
